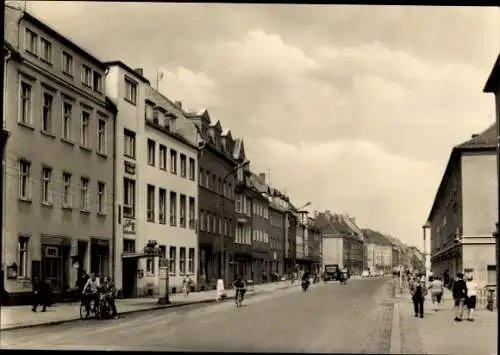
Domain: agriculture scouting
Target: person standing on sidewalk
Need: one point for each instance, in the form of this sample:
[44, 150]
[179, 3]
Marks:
[472, 288]
[219, 289]
[418, 292]
[186, 284]
[459, 296]
[436, 288]
[41, 295]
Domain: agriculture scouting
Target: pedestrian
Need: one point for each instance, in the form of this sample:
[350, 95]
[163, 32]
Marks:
[418, 292]
[82, 280]
[436, 287]
[472, 288]
[42, 293]
[186, 284]
[219, 289]
[446, 278]
[459, 296]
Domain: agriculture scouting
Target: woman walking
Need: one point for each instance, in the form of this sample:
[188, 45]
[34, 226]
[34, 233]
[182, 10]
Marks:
[436, 288]
[472, 288]
[219, 289]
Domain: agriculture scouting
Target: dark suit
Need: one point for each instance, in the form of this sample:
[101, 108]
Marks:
[41, 295]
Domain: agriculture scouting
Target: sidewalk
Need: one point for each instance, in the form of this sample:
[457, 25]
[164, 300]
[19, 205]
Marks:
[22, 317]
[438, 333]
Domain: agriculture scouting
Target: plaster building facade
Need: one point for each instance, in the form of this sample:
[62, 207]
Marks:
[217, 170]
[378, 251]
[59, 187]
[464, 212]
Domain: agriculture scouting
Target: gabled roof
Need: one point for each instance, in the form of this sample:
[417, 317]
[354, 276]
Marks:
[227, 133]
[483, 142]
[127, 68]
[217, 126]
[493, 82]
[324, 224]
[375, 237]
[352, 226]
[239, 149]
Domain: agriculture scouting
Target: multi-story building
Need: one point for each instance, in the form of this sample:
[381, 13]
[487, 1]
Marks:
[378, 252]
[261, 248]
[301, 250]
[59, 169]
[127, 88]
[277, 224]
[217, 170]
[313, 245]
[290, 239]
[341, 244]
[464, 212]
[171, 191]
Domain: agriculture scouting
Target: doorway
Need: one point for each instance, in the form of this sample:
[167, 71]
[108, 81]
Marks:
[53, 266]
[129, 277]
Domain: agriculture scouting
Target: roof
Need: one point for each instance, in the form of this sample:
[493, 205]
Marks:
[375, 237]
[126, 67]
[493, 83]
[483, 142]
[65, 40]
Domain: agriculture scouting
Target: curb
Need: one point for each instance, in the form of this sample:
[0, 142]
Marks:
[395, 347]
[153, 308]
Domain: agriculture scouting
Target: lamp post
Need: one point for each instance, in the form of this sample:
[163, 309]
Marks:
[427, 260]
[223, 261]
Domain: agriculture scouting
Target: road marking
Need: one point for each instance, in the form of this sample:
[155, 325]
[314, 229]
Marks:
[395, 332]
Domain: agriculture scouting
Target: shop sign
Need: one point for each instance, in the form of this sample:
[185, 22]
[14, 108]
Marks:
[128, 226]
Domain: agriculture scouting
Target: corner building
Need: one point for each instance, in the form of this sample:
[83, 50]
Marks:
[58, 188]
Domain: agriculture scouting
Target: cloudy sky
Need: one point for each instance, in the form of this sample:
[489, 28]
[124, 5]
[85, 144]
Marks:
[354, 108]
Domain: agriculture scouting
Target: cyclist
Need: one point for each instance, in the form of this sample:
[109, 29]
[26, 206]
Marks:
[109, 291]
[90, 291]
[239, 286]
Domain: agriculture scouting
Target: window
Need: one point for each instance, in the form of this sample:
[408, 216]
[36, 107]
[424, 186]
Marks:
[66, 123]
[101, 197]
[23, 257]
[149, 111]
[67, 60]
[238, 204]
[172, 257]
[192, 169]
[150, 265]
[31, 42]
[183, 202]
[86, 75]
[24, 180]
[97, 82]
[201, 179]
[84, 194]
[131, 91]
[214, 224]
[173, 208]
[202, 220]
[214, 182]
[192, 213]
[151, 152]
[182, 260]
[46, 185]
[84, 129]
[129, 143]
[128, 198]
[46, 50]
[163, 157]
[66, 202]
[101, 136]
[25, 111]
[183, 165]
[191, 261]
[220, 225]
[163, 251]
[151, 203]
[209, 222]
[163, 206]
[173, 161]
[47, 113]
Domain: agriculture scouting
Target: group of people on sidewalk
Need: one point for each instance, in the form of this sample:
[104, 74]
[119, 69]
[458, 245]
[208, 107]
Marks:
[464, 294]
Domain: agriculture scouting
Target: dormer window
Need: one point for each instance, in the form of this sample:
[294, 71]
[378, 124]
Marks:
[149, 111]
[170, 121]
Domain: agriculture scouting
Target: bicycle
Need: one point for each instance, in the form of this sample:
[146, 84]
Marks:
[88, 308]
[239, 297]
[103, 308]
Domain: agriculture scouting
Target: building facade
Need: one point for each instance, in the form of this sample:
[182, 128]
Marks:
[463, 216]
[171, 190]
[314, 246]
[378, 251]
[217, 170]
[277, 215]
[290, 247]
[58, 188]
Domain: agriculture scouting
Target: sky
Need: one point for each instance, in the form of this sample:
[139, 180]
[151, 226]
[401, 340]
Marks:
[353, 108]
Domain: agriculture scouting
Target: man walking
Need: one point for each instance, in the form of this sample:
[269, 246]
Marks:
[418, 292]
[41, 295]
[459, 296]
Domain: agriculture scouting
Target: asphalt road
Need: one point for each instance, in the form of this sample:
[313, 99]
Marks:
[327, 318]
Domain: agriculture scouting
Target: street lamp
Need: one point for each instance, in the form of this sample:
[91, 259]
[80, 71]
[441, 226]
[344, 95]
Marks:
[222, 235]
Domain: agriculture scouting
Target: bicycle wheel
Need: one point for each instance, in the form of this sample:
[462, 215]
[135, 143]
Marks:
[84, 314]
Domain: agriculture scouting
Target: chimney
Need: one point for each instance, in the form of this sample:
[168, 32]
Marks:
[178, 104]
[474, 135]
[262, 178]
[139, 71]
[328, 213]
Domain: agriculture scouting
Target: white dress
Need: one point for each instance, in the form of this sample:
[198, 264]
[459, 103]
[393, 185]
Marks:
[220, 287]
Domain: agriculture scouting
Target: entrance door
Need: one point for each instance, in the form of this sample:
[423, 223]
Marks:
[52, 266]
[129, 277]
